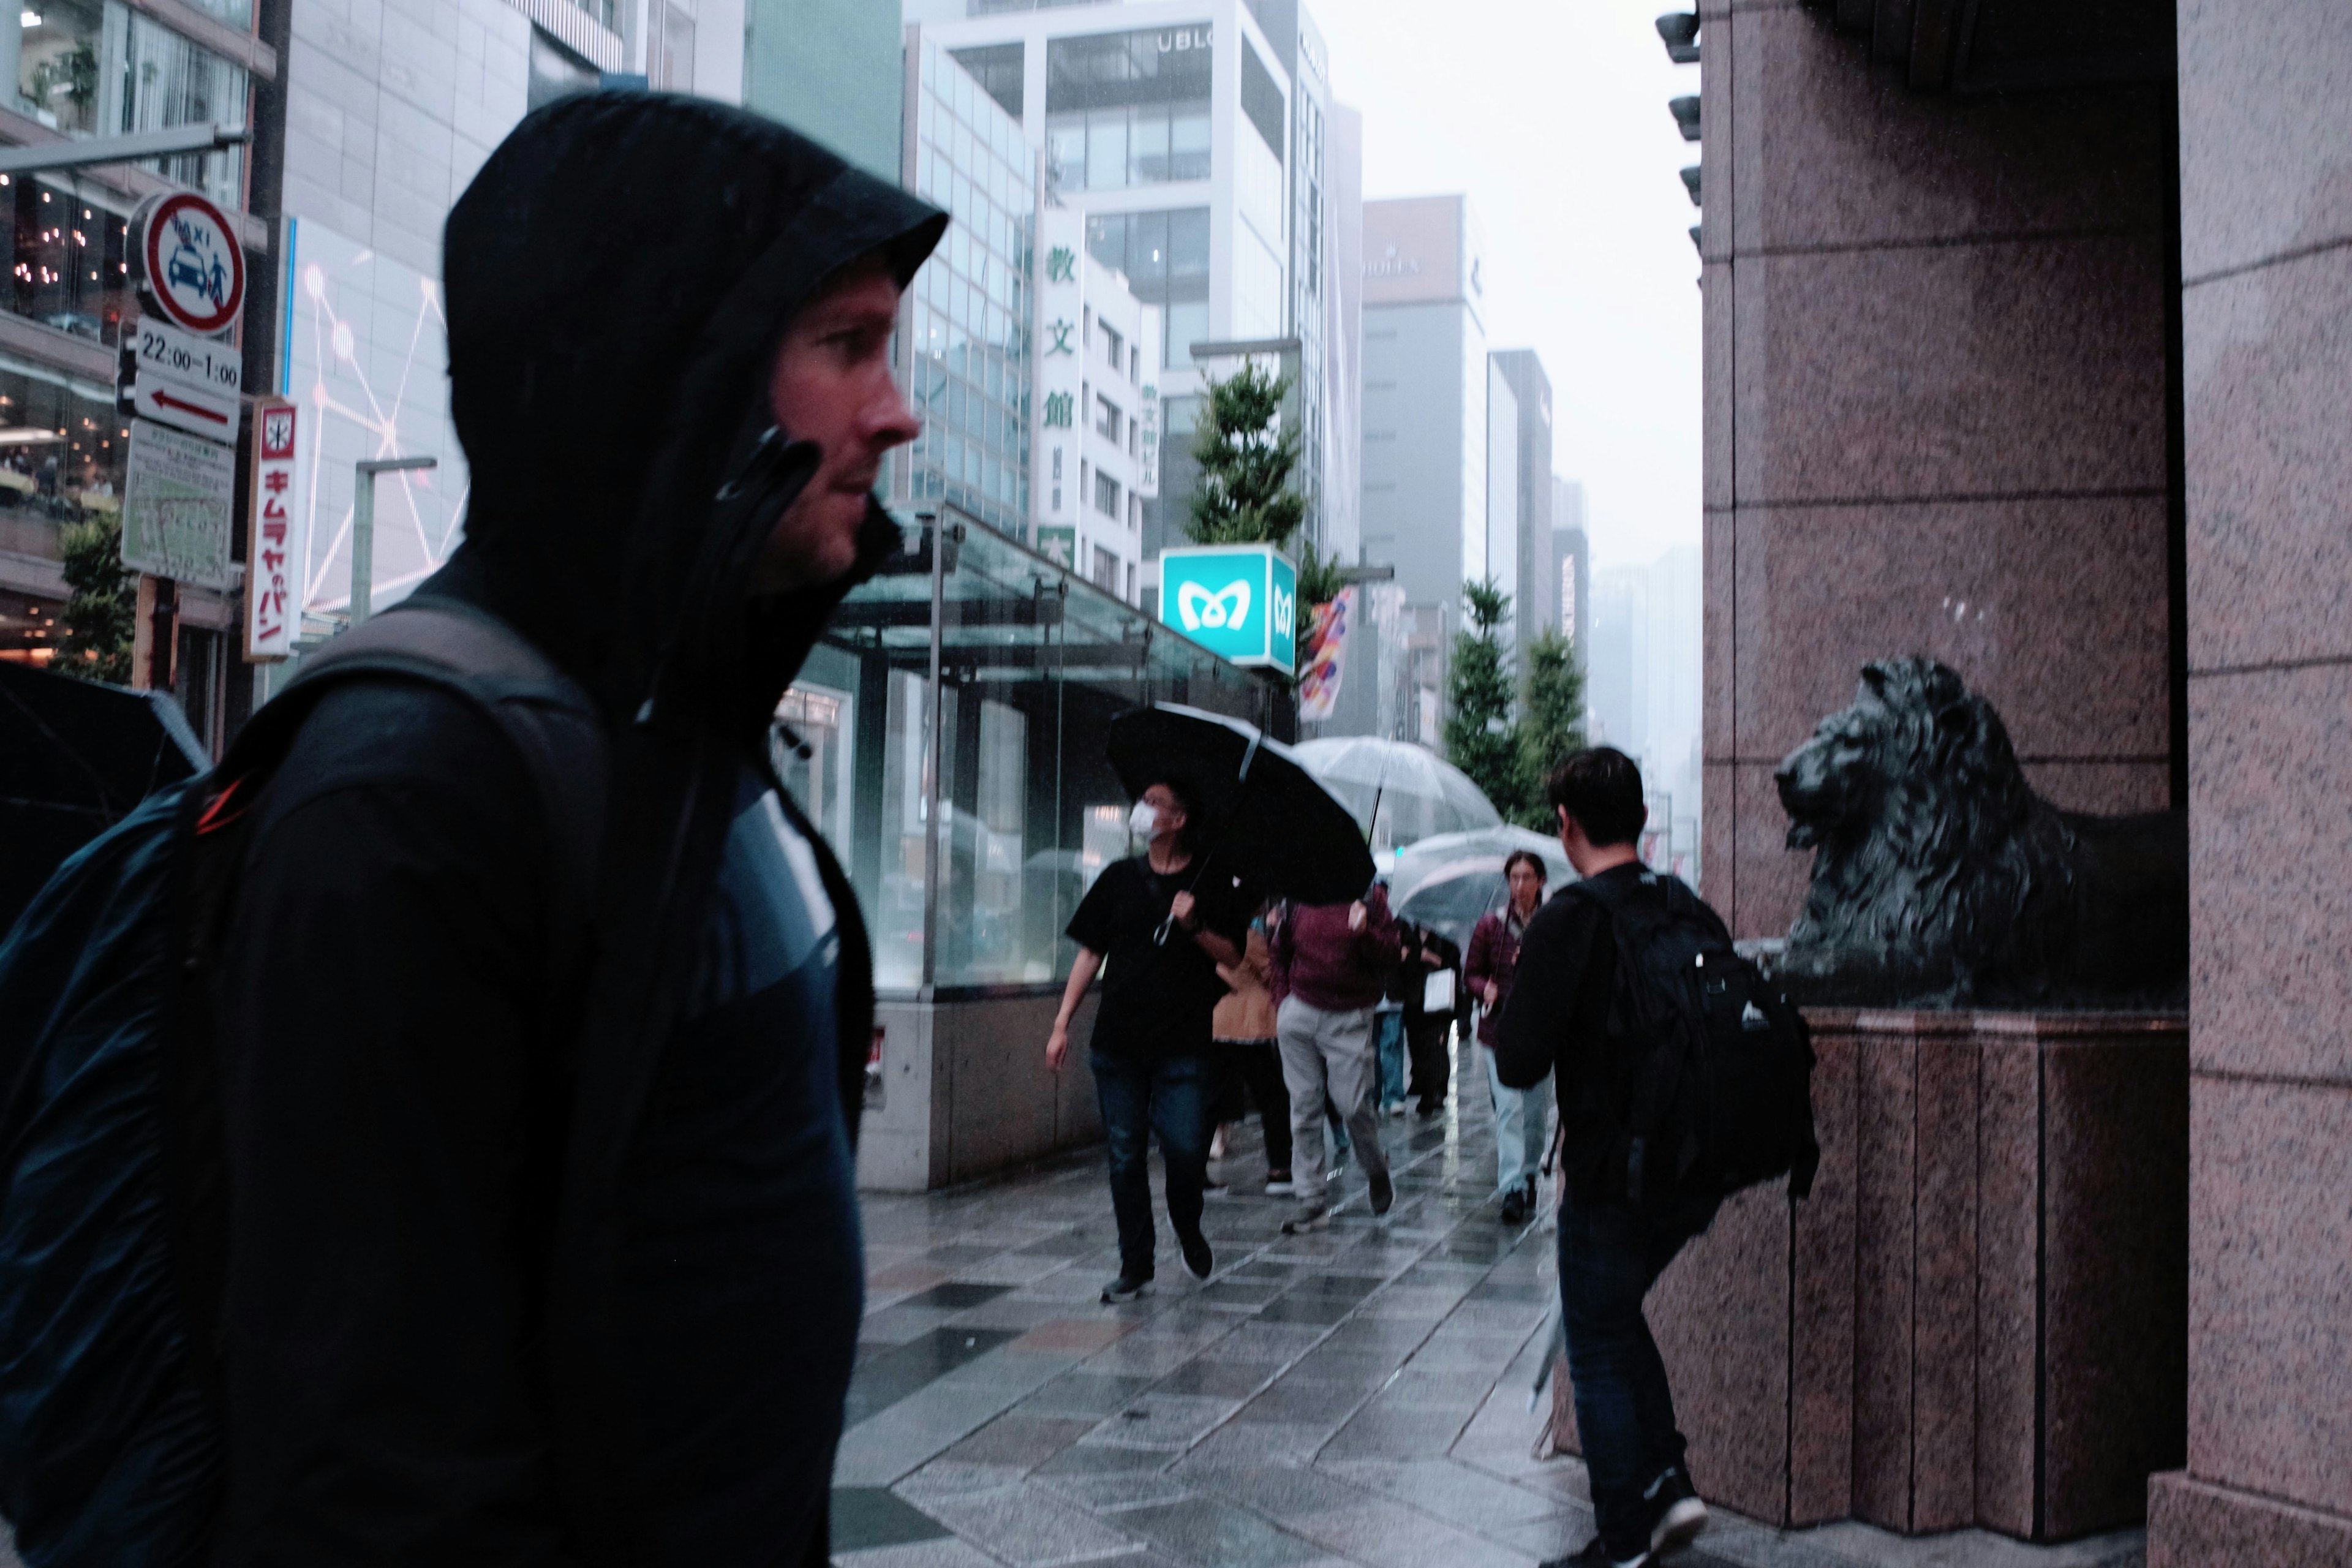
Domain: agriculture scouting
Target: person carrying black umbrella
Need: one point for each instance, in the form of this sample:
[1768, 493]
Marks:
[1163, 938]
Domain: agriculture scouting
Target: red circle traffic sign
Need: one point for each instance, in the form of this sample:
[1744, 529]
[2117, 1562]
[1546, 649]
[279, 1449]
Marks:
[192, 265]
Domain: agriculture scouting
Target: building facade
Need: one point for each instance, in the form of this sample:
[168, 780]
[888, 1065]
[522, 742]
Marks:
[965, 322]
[1569, 564]
[1096, 411]
[1171, 124]
[830, 68]
[1532, 585]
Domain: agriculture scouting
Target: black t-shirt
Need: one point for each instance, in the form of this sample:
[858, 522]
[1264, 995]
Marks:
[1158, 997]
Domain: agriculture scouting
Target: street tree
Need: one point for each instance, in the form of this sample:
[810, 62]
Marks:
[1480, 739]
[1551, 724]
[1246, 455]
[101, 612]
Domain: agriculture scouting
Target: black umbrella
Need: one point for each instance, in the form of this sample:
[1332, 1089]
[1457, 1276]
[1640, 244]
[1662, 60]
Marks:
[1264, 818]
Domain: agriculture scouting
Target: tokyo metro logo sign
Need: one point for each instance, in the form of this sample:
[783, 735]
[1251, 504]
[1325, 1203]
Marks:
[1197, 607]
[1239, 601]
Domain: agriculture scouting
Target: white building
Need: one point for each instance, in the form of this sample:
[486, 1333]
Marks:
[1095, 440]
[1173, 124]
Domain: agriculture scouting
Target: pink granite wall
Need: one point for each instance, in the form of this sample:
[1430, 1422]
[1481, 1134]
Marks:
[2266, 310]
[1935, 417]
[1985, 1321]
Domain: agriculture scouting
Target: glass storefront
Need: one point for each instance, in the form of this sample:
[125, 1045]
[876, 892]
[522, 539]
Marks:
[69, 259]
[968, 312]
[61, 455]
[97, 67]
[1034, 665]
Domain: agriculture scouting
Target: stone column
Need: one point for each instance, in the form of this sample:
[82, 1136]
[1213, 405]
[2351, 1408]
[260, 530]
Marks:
[1936, 418]
[2266, 262]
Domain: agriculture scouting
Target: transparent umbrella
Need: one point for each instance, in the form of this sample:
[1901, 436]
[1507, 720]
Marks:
[1399, 792]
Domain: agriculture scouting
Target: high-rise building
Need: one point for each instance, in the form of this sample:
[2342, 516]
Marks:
[1532, 585]
[1425, 392]
[1175, 126]
[965, 327]
[1570, 568]
[1343, 355]
[1642, 670]
[828, 69]
[1425, 422]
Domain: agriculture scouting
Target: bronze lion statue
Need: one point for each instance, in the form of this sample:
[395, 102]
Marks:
[1939, 877]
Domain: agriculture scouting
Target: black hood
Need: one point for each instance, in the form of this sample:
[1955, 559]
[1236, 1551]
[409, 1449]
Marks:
[619, 277]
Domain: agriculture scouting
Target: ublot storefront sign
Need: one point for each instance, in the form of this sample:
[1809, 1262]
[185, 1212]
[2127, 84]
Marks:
[1239, 601]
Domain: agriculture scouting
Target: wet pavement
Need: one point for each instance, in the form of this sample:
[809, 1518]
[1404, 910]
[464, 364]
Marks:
[1356, 1397]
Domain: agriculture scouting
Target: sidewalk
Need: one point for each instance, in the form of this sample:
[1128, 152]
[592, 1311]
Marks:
[1355, 1397]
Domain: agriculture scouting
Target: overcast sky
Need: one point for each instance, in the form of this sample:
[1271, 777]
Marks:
[1552, 114]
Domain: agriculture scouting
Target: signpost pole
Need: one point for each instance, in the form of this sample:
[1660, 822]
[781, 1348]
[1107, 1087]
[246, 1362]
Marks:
[364, 523]
[362, 543]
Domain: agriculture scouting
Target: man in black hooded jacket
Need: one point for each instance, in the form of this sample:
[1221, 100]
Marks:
[542, 1240]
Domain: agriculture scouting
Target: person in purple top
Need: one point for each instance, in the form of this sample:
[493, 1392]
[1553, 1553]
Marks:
[1331, 963]
[1520, 1125]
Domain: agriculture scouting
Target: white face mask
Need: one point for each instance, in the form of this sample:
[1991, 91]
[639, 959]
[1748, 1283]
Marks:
[1144, 820]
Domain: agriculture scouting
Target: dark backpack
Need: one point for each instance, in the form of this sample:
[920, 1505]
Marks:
[113, 1239]
[1712, 1080]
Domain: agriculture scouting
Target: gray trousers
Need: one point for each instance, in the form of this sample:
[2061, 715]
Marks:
[1327, 1053]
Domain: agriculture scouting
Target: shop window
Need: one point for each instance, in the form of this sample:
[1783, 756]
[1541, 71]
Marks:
[69, 259]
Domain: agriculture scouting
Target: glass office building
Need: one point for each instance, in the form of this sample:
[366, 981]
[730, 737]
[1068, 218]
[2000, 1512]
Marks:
[1033, 663]
[965, 327]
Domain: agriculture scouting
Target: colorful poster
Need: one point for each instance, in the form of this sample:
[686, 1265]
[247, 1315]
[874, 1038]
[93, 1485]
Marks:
[1322, 657]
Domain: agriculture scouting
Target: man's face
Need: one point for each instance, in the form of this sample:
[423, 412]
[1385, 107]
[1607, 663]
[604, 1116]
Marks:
[832, 385]
[1162, 800]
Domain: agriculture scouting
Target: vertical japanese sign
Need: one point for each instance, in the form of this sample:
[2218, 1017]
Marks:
[273, 606]
[1149, 336]
[1058, 352]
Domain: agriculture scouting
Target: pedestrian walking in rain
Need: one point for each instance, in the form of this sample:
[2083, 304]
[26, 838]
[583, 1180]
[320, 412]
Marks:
[1156, 940]
[1330, 965]
[1248, 1055]
[542, 1234]
[1428, 1031]
[1614, 1243]
[1522, 1128]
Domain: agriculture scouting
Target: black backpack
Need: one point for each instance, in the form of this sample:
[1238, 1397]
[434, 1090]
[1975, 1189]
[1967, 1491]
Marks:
[113, 1238]
[1712, 1067]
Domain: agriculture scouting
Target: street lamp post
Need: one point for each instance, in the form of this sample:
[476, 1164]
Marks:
[364, 523]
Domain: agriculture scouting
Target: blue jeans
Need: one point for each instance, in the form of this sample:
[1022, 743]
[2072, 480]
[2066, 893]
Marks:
[1169, 1096]
[1388, 1035]
[1609, 1255]
[1521, 1133]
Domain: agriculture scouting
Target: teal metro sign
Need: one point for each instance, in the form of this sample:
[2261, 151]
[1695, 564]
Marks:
[1238, 601]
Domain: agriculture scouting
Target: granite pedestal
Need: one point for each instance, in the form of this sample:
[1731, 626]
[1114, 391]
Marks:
[1981, 1316]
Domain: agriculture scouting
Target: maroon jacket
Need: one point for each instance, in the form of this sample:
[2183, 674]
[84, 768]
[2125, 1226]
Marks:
[1317, 958]
[1494, 955]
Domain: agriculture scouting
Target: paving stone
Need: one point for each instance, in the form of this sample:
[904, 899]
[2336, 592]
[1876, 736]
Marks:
[1257, 1446]
[1216, 1377]
[866, 1517]
[1217, 1535]
[1393, 1433]
[955, 1478]
[1082, 1335]
[944, 1552]
[1027, 1441]
[1454, 1491]
[1030, 1527]
[1092, 1394]
[1390, 1535]
[1111, 1491]
[1306, 1403]
[882, 1381]
[1173, 1422]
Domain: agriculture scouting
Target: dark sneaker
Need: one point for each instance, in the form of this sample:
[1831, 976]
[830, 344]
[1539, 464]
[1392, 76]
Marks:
[1595, 1555]
[1278, 1184]
[1676, 1515]
[1311, 1216]
[1383, 1191]
[1515, 1206]
[1126, 1287]
[1198, 1258]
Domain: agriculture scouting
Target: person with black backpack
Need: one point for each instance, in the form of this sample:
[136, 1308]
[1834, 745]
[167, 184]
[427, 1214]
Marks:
[430, 1134]
[1682, 1078]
